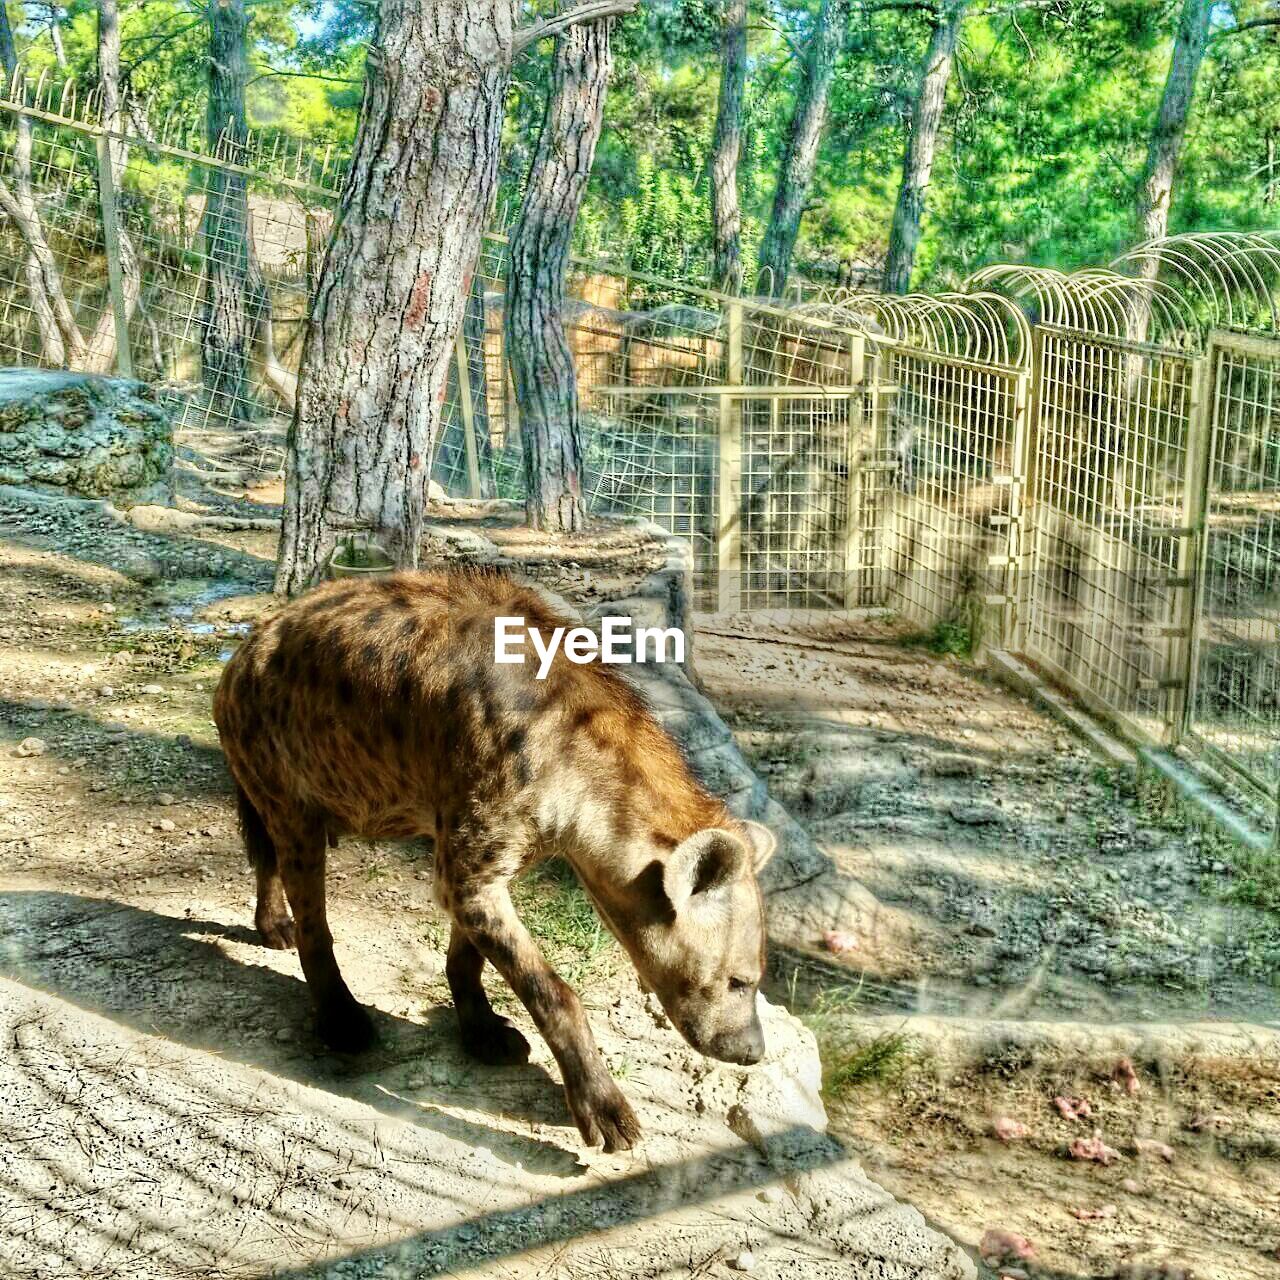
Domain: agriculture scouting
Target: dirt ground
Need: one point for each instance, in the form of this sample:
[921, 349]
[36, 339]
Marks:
[1039, 884]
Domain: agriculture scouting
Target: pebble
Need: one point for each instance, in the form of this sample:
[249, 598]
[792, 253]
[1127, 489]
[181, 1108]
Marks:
[745, 1261]
[974, 813]
[152, 688]
[107, 691]
[284, 1034]
[770, 1195]
[32, 747]
[166, 824]
[166, 798]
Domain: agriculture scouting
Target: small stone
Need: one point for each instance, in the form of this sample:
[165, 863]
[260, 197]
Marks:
[107, 691]
[975, 813]
[32, 747]
[744, 1261]
[152, 688]
[770, 1195]
[166, 798]
[284, 1034]
[107, 607]
[166, 824]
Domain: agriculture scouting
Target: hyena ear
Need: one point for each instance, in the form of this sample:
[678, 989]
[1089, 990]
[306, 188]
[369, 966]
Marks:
[763, 844]
[706, 861]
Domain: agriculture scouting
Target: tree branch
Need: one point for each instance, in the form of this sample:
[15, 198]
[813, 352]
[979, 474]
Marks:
[1251, 25]
[588, 12]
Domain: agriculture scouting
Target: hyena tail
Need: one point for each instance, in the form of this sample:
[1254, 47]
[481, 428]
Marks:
[257, 841]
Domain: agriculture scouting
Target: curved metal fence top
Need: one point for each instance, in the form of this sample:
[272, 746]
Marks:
[1094, 301]
[1232, 278]
[982, 327]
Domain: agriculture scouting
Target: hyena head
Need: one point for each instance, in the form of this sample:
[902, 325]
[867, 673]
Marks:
[699, 943]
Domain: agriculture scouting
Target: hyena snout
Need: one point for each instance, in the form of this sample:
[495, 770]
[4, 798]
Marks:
[744, 1046]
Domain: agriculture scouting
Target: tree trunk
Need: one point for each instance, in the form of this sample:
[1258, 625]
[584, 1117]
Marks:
[100, 357]
[61, 343]
[473, 338]
[394, 281]
[922, 142]
[726, 147]
[227, 328]
[795, 173]
[538, 352]
[1156, 192]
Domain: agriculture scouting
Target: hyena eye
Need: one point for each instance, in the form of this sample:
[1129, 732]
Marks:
[738, 984]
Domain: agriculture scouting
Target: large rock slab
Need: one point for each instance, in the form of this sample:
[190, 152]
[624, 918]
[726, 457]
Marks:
[88, 434]
[168, 1113]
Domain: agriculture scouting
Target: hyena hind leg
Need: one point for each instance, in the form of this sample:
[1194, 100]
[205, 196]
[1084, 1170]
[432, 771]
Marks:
[342, 1023]
[486, 1036]
[272, 915]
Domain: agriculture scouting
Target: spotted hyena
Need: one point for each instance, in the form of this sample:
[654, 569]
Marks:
[377, 709]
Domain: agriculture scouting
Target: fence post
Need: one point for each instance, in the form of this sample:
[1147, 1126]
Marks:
[111, 242]
[1025, 471]
[1023, 389]
[1189, 574]
[729, 473]
[855, 429]
[463, 366]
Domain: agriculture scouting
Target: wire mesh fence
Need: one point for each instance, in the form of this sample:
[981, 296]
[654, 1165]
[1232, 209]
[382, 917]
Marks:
[1235, 711]
[1008, 459]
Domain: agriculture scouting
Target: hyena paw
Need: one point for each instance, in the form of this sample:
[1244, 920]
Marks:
[276, 932]
[495, 1042]
[346, 1028]
[603, 1115]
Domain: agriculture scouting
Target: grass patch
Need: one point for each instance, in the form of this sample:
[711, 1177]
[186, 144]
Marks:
[1256, 881]
[849, 1059]
[560, 916]
[945, 638]
[854, 1065]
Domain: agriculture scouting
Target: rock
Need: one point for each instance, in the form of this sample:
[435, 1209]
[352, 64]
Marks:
[32, 747]
[88, 434]
[745, 1261]
[975, 813]
[166, 798]
[953, 765]
[1007, 1129]
[166, 824]
[152, 688]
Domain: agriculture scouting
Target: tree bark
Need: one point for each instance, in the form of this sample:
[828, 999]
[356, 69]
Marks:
[795, 173]
[100, 355]
[394, 281]
[726, 148]
[541, 361]
[227, 330]
[922, 143]
[61, 342]
[1156, 191]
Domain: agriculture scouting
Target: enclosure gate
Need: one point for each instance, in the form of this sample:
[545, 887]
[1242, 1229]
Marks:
[1234, 712]
[1114, 483]
[944, 481]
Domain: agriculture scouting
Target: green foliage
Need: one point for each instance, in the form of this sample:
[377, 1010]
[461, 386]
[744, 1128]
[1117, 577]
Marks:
[954, 638]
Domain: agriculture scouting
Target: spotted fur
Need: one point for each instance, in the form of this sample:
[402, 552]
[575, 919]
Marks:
[376, 709]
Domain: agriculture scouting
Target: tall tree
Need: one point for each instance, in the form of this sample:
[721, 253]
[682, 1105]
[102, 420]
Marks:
[1156, 190]
[541, 360]
[61, 342]
[726, 148]
[102, 343]
[922, 141]
[226, 325]
[395, 276]
[800, 156]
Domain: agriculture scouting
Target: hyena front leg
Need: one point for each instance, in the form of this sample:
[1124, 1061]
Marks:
[300, 847]
[486, 1036]
[596, 1103]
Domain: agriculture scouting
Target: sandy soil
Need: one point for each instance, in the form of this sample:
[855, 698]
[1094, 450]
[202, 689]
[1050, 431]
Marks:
[1039, 884]
[165, 1107]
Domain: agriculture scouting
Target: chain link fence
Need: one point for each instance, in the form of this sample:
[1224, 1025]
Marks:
[1084, 469]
